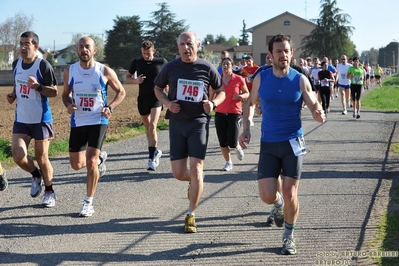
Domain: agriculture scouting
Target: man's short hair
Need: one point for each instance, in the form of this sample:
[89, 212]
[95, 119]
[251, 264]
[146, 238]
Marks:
[279, 38]
[31, 34]
[147, 45]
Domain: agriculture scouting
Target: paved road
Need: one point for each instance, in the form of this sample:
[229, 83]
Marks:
[139, 215]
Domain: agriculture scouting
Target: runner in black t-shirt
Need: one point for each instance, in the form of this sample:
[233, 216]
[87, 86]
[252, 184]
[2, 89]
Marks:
[325, 78]
[149, 107]
[189, 79]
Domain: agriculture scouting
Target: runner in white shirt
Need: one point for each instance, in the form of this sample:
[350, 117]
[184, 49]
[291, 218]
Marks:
[85, 97]
[344, 82]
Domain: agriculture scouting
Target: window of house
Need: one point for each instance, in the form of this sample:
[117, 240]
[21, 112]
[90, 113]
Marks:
[287, 22]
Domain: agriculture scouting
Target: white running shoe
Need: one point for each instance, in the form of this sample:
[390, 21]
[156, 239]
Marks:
[344, 112]
[87, 209]
[157, 156]
[228, 166]
[101, 167]
[36, 187]
[49, 200]
[240, 153]
[151, 165]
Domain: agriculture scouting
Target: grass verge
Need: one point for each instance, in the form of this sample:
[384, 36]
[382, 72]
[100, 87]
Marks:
[386, 99]
[59, 147]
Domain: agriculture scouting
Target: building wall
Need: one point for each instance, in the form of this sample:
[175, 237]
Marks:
[297, 30]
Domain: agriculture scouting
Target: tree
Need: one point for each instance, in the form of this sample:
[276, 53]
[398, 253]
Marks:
[213, 58]
[232, 41]
[69, 54]
[221, 39]
[12, 28]
[50, 58]
[387, 56]
[331, 33]
[163, 31]
[370, 56]
[244, 35]
[209, 39]
[100, 55]
[123, 42]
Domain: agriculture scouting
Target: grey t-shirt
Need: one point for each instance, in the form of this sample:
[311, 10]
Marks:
[201, 72]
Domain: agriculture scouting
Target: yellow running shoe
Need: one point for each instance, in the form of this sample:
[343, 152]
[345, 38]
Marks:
[189, 226]
[3, 179]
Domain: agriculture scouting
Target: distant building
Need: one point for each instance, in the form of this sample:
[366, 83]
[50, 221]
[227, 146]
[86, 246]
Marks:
[39, 54]
[7, 52]
[63, 57]
[286, 23]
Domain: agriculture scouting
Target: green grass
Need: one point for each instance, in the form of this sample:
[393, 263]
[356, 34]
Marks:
[5, 153]
[395, 148]
[386, 99]
[5, 149]
[61, 146]
[387, 237]
[58, 147]
[133, 130]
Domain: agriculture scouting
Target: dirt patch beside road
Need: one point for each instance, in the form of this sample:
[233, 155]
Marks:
[126, 113]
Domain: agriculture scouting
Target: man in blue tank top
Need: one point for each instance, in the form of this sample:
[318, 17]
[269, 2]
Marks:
[281, 90]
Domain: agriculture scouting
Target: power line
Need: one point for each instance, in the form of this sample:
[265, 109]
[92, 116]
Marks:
[306, 10]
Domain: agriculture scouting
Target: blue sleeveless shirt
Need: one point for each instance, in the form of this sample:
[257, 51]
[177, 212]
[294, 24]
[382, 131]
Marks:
[281, 102]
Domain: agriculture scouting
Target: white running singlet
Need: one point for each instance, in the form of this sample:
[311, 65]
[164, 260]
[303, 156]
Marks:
[89, 93]
[342, 73]
[31, 107]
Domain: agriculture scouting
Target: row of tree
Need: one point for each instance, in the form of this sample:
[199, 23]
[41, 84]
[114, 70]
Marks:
[331, 37]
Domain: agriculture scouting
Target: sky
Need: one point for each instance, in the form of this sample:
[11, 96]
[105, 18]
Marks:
[55, 21]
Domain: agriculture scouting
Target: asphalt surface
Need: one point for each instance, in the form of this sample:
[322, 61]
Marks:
[139, 215]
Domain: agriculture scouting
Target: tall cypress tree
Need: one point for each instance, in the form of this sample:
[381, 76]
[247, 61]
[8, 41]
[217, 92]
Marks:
[331, 34]
[163, 31]
[243, 40]
[123, 42]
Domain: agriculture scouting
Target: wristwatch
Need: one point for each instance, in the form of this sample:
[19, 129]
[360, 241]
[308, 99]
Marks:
[111, 110]
[40, 88]
[214, 105]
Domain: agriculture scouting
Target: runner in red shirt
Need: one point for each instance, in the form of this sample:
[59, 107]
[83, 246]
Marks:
[250, 68]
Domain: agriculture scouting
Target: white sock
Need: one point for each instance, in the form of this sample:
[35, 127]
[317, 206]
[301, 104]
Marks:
[89, 199]
[280, 202]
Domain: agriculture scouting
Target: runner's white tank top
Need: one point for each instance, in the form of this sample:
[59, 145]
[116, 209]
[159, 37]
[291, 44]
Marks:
[343, 71]
[31, 107]
[89, 93]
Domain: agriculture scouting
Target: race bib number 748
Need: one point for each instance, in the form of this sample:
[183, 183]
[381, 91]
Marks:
[190, 90]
